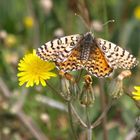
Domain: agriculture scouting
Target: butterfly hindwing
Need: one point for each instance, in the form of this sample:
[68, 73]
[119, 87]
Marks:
[116, 56]
[97, 64]
[72, 63]
[58, 49]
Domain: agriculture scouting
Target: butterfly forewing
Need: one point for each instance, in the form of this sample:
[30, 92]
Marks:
[59, 49]
[116, 56]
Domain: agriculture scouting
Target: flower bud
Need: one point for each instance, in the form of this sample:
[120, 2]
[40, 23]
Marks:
[87, 95]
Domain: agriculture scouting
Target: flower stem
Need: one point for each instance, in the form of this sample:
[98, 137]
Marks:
[103, 107]
[101, 82]
[98, 121]
[78, 117]
[89, 129]
[54, 90]
[71, 120]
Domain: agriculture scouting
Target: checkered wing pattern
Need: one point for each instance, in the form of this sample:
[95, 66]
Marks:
[72, 63]
[116, 56]
[97, 64]
[58, 49]
[98, 56]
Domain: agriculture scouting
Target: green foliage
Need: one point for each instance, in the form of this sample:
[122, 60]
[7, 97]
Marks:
[125, 31]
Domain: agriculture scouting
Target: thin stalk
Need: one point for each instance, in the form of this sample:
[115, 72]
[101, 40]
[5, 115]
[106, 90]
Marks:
[89, 129]
[103, 107]
[71, 121]
[53, 89]
[98, 121]
[78, 117]
[101, 82]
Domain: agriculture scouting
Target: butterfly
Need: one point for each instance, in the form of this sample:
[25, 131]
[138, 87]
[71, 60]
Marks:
[83, 51]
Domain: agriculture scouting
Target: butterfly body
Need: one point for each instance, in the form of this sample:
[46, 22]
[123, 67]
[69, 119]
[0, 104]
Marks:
[85, 46]
[98, 56]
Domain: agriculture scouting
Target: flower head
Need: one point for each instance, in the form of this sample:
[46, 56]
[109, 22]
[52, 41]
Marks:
[10, 40]
[33, 70]
[137, 12]
[28, 22]
[136, 94]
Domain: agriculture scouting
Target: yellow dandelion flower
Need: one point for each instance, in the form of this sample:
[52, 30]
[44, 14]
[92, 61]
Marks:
[33, 70]
[136, 94]
[28, 22]
[10, 40]
[137, 12]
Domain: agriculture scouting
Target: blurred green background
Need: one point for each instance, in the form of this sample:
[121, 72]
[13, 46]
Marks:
[24, 26]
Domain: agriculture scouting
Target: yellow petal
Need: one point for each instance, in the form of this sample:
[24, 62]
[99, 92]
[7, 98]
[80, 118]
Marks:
[137, 88]
[43, 82]
[136, 97]
[136, 93]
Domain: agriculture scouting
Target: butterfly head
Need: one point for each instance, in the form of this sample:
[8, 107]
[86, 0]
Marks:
[89, 37]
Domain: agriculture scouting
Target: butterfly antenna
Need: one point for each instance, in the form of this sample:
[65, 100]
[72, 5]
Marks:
[109, 21]
[84, 22]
